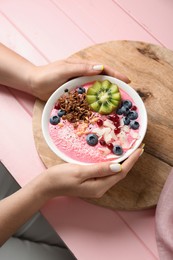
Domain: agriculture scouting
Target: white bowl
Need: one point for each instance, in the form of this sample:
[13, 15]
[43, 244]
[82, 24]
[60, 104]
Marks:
[81, 81]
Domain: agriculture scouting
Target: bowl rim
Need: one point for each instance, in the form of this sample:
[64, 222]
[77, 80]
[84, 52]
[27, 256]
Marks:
[81, 81]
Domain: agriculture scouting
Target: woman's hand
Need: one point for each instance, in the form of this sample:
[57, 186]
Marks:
[46, 79]
[87, 181]
[41, 81]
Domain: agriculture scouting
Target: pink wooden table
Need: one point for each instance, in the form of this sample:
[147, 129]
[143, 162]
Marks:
[47, 30]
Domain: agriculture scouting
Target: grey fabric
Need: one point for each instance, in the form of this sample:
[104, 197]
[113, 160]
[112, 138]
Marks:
[18, 249]
[38, 229]
[36, 239]
[7, 183]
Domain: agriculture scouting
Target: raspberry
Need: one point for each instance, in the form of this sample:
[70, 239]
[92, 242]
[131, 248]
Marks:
[99, 122]
[133, 108]
[117, 124]
[110, 146]
[110, 117]
[102, 142]
[117, 131]
[113, 118]
[57, 106]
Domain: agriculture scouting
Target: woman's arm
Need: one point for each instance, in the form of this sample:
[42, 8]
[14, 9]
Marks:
[88, 181]
[15, 71]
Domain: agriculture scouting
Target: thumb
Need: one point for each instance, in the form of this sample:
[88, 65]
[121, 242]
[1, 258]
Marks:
[99, 170]
[109, 168]
[83, 69]
[80, 68]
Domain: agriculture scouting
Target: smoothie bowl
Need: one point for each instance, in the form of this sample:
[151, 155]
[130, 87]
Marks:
[94, 119]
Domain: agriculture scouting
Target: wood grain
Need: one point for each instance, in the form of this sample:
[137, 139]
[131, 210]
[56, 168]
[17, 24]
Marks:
[150, 69]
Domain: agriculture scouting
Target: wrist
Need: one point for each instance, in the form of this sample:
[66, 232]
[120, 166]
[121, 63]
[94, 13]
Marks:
[54, 183]
[32, 81]
[40, 189]
[48, 185]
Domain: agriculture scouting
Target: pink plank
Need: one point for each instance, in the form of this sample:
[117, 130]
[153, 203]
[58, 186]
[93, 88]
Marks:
[25, 100]
[155, 16]
[98, 232]
[143, 224]
[53, 33]
[103, 20]
[13, 39]
[18, 150]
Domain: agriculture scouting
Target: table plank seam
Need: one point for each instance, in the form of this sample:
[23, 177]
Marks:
[24, 35]
[20, 103]
[138, 22]
[84, 32]
[18, 100]
[136, 235]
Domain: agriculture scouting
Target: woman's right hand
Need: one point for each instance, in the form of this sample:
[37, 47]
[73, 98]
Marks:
[87, 181]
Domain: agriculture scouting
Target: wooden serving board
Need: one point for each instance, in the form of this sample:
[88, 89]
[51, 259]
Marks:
[150, 69]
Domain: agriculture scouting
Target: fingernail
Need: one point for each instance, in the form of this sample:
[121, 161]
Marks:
[116, 167]
[143, 145]
[141, 152]
[129, 80]
[98, 67]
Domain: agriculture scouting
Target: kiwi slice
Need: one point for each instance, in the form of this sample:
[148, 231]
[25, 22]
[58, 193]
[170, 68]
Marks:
[103, 97]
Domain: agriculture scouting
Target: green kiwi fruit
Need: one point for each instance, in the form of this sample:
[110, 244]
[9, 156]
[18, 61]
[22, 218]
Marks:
[103, 97]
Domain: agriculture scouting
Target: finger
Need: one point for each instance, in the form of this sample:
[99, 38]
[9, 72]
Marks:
[99, 186]
[99, 170]
[129, 163]
[82, 69]
[111, 179]
[95, 188]
[126, 167]
[114, 73]
[93, 68]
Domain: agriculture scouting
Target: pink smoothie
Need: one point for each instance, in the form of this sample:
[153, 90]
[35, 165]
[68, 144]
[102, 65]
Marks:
[72, 141]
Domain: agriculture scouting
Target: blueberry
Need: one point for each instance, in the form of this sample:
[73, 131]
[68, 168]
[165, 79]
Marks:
[117, 149]
[92, 139]
[126, 120]
[125, 110]
[61, 112]
[66, 90]
[119, 111]
[127, 103]
[134, 125]
[132, 115]
[81, 90]
[54, 120]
